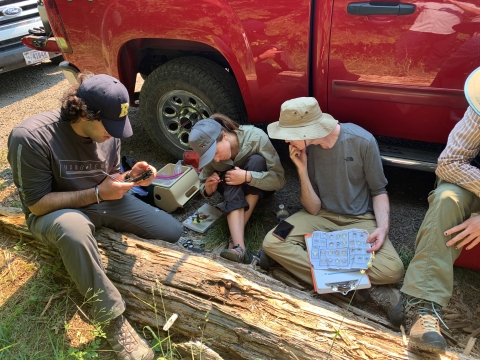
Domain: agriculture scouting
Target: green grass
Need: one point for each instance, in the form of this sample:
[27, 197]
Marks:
[39, 310]
[406, 254]
[23, 334]
[16, 204]
[36, 325]
[3, 184]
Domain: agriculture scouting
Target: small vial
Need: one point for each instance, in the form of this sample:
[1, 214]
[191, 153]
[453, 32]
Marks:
[282, 213]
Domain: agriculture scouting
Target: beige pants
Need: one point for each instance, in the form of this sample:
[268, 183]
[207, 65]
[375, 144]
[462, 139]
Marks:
[387, 267]
[430, 273]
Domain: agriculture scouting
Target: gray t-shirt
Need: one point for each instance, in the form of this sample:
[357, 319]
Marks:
[346, 176]
[46, 155]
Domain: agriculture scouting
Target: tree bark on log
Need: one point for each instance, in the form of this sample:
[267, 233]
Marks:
[242, 313]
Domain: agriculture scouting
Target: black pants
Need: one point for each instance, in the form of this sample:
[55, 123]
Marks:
[235, 194]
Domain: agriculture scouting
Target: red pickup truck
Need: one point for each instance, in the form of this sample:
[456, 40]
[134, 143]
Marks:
[394, 68]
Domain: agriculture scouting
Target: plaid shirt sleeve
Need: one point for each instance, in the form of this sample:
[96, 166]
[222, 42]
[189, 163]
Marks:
[463, 145]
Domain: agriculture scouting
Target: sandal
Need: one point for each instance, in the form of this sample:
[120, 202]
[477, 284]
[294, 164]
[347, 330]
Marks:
[236, 254]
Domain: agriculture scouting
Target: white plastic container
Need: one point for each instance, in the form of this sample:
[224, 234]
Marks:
[169, 195]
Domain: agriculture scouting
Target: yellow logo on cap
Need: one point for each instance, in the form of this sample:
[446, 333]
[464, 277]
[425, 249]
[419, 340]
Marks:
[124, 111]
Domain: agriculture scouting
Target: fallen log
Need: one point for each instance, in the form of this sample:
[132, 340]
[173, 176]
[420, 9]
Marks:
[239, 313]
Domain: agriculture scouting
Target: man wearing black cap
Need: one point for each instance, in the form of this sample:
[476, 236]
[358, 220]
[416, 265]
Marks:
[59, 160]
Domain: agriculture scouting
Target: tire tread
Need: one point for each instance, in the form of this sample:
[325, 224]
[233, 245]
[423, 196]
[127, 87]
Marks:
[205, 75]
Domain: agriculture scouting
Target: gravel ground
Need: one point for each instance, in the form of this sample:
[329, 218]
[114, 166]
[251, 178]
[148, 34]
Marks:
[31, 90]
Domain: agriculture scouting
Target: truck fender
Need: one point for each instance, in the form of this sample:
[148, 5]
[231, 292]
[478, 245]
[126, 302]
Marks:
[219, 19]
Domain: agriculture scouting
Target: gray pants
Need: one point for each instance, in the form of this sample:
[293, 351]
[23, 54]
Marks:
[72, 230]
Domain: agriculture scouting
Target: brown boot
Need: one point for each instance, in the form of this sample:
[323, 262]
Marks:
[389, 298]
[126, 342]
[425, 333]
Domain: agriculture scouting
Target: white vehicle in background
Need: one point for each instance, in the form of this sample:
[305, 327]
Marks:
[16, 19]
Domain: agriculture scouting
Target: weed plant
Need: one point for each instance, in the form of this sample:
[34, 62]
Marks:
[406, 254]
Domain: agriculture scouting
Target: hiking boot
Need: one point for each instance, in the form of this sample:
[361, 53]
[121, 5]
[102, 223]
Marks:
[425, 332]
[391, 301]
[236, 254]
[126, 342]
[265, 261]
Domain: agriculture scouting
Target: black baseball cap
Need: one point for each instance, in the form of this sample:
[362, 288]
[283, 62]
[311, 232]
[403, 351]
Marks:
[107, 95]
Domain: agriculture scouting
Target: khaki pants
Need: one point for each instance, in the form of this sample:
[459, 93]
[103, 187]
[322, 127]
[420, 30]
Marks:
[430, 273]
[387, 267]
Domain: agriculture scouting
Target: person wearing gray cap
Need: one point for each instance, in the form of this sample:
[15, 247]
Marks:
[60, 161]
[241, 163]
[451, 225]
[342, 186]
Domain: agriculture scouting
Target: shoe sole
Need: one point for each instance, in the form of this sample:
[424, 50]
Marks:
[431, 349]
[230, 256]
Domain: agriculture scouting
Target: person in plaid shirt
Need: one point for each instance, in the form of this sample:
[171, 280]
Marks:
[448, 227]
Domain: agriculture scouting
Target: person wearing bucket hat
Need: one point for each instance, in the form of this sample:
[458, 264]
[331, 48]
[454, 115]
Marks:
[66, 167]
[342, 186]
[451, 225]
[239, 162]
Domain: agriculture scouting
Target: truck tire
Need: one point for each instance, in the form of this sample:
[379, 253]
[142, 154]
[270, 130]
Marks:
[57, 59]
[183, 91]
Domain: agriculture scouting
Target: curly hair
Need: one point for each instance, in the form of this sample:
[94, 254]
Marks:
[73, 107]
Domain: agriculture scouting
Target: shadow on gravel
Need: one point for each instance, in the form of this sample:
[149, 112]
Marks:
[28, 81]
[408, 192]
[407, 185]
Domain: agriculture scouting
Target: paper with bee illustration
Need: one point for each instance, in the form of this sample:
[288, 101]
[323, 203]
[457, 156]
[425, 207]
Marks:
[344, 249]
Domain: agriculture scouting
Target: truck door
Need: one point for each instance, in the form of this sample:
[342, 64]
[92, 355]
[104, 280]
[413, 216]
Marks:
[398, 68]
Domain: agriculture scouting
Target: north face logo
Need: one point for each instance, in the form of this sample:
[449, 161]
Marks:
[348, 158]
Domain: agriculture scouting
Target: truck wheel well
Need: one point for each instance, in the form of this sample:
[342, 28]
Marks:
[154, 58]
[145, 55]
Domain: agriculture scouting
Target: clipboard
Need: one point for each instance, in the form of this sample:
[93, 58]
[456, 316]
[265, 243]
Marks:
[335, 280]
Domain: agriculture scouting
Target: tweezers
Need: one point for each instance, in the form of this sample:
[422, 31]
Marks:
[112, 177]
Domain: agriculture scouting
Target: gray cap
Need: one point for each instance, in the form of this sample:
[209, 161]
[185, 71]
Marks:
[203, 140]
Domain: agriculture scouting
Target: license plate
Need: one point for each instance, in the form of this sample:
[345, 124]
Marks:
[35, 56]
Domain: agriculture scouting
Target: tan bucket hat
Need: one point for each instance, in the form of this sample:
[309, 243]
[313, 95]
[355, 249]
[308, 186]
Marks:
[301, 119]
